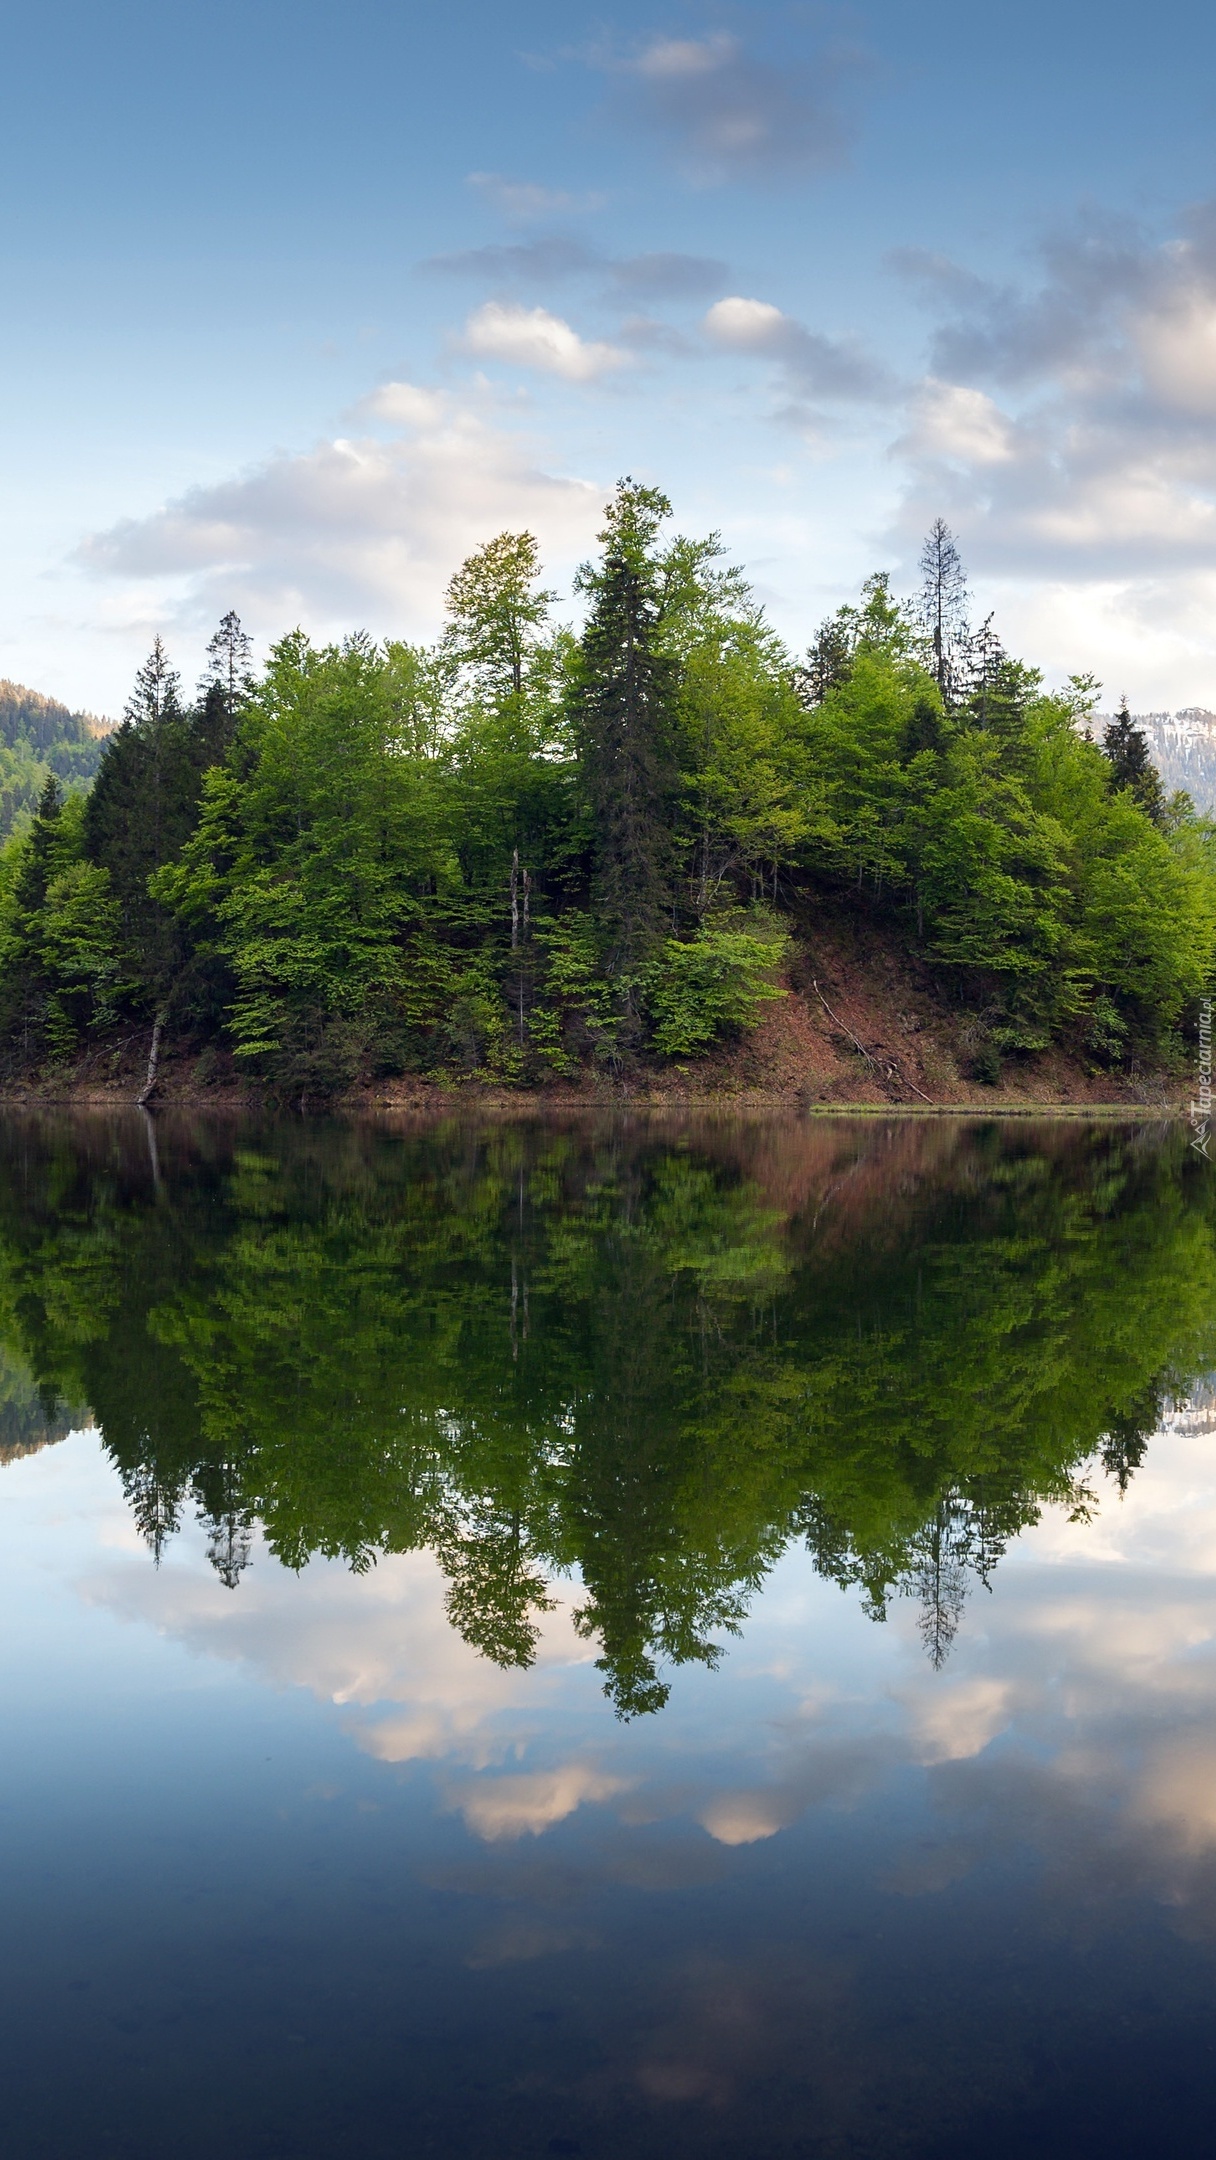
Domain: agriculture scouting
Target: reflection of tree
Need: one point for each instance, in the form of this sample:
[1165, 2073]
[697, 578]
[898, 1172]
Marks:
[601, 1353]
[228, 1548]
[953, 1546]
[227, 1521]
[1131, 1428]
[496, 1591]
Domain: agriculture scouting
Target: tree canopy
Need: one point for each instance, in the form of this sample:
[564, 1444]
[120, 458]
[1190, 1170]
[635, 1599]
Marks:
[530, 845]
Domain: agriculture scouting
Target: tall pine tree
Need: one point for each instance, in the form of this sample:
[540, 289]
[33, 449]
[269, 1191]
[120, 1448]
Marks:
[625, 723]
[943, 609]
[223, 691]
[142, 807]
[1131, 767]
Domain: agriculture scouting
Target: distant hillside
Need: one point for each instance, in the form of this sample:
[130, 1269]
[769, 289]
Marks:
[28, 1421]
[1183, 745]
[39, 736]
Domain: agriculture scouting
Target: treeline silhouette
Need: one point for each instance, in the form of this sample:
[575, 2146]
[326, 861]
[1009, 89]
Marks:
[649, 1362]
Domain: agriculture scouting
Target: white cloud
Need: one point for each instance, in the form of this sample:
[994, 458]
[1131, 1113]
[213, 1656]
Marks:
[359, 530]
[729, 114]
[674, 59]
[522, 200]
[962, 425]
[1102, 463]
[746, 325]
[1176, 343]
[814, 364]
[532, 337]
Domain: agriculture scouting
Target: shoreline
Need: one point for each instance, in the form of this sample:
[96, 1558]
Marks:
[488, 1101]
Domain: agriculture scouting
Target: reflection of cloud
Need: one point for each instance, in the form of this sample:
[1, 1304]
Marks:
[1077, 1718]
[1177, 1792]
[742, 1818]
[518, 1942]
[959, 1718]
[511, 1807]
[363, 1643]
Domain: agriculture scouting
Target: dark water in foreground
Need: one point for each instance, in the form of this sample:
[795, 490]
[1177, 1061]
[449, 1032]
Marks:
[610, 1639]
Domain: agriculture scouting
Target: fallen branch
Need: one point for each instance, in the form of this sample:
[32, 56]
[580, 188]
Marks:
[915, 1090]
[845, 1029]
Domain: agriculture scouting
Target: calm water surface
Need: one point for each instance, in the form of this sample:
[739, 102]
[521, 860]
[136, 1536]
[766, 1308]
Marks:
[622, 1639]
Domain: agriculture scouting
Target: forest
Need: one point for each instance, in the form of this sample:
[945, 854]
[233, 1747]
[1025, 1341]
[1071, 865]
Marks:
[39, 738]
[526, 851]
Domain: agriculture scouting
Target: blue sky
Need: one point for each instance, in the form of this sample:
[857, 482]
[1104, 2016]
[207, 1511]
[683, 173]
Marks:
[304, 301]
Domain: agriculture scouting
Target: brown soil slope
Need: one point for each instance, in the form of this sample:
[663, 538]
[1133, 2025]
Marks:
[865, 1024]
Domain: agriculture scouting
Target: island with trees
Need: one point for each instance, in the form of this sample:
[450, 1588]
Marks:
[540, 858]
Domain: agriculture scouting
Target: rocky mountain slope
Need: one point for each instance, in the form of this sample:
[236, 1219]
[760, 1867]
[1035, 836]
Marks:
[1183, 746]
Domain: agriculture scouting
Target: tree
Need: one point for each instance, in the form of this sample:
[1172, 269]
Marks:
[36, 861]
[496, 613]
[624, 706]
[228, 655]
[879, 625]
[943, 608]
[225, 687]
[311, 869]
[740, 813]
[1131, 767]
[142, 808]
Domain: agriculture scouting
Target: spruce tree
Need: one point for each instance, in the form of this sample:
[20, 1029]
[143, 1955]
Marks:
[943, 609]
[25, 980]
[228, 666]
[225, 686]
[141, 809]
[1131, 767]
[624, 714]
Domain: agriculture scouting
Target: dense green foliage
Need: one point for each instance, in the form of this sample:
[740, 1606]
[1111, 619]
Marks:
[521, 850]
[40, 737]
[592, 1352]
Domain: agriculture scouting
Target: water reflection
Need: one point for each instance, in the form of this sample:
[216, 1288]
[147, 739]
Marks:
[645, 1359]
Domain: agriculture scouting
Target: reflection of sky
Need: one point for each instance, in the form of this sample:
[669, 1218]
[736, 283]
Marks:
[821, 1823]
[1089, 1665]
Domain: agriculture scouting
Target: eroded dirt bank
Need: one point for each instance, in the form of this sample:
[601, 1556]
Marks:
[864, 1026]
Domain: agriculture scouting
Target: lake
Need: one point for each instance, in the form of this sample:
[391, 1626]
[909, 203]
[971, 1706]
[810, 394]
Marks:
[608, 1636]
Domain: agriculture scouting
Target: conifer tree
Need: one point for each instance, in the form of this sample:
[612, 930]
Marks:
[141, 809]
[624, 714]
[228, 654]
[943, 608]
[26, 988]
[1131, 767]
[225, 685]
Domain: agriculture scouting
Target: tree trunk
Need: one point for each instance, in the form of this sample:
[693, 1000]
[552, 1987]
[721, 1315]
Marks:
[149, 1087]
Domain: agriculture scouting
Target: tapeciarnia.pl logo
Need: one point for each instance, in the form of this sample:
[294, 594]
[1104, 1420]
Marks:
[1201, 1108]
